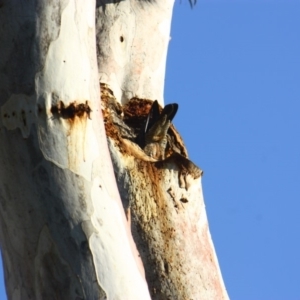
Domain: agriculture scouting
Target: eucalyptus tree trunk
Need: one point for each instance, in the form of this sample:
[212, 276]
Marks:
[63, 230]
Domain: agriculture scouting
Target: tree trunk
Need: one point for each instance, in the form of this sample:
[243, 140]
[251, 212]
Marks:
[132, 44]
[63, 231]
[164, 200]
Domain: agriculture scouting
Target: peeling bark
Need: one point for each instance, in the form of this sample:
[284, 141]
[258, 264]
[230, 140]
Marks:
[168, 218]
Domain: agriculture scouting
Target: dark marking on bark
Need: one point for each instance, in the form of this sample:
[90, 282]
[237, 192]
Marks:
[71, 111]
[84, 247]
[171, 193]
[166, 266]
[40, 109]
[24, 118]
[121, 39]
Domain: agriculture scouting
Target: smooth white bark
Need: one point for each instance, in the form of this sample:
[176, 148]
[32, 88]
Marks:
[63, 231]
[132, 43]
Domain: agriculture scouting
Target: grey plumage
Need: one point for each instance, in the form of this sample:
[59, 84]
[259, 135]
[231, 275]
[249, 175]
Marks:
[154, 134]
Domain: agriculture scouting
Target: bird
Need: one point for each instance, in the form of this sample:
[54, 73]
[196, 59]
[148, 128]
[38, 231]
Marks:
[153, 136]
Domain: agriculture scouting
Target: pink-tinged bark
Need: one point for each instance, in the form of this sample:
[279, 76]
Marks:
[169, 222]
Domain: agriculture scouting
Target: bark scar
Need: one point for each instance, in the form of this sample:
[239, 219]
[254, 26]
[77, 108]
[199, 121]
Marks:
[143, 129]
[71, 111]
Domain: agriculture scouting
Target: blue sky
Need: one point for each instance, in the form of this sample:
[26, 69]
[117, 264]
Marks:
[234, 69]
